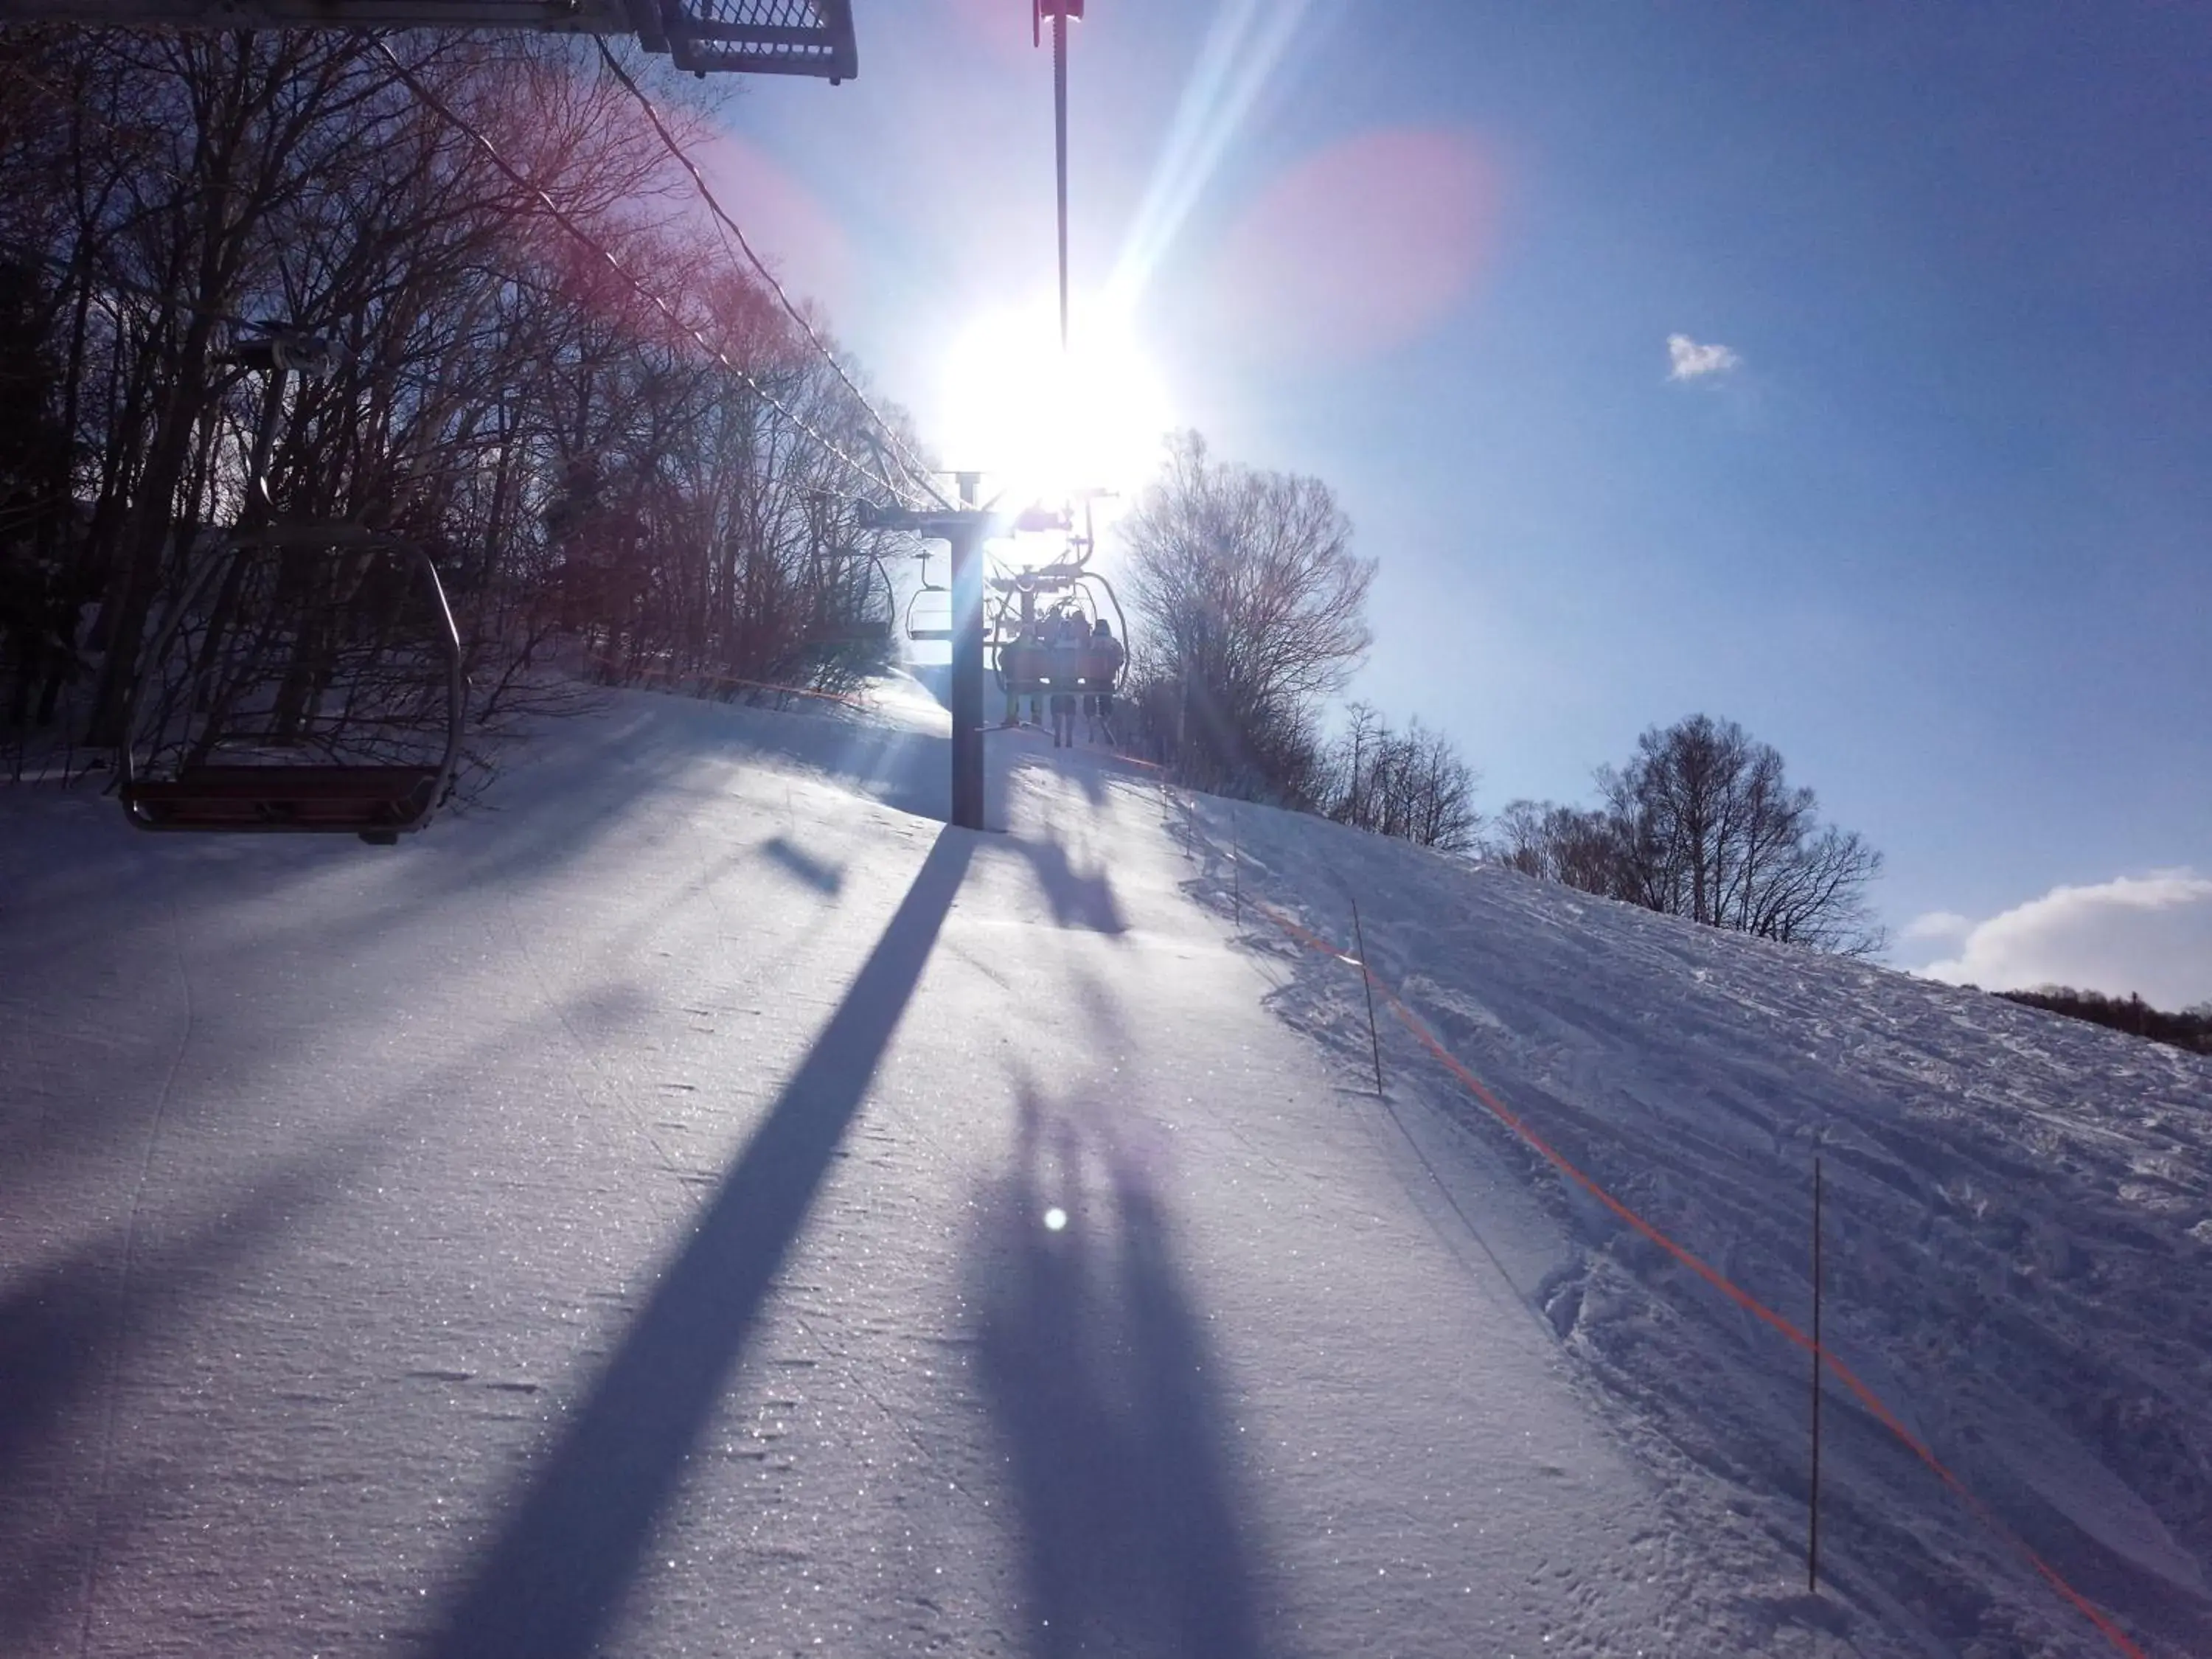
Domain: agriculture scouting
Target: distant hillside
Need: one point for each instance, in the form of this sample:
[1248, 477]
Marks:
[2192, 1030]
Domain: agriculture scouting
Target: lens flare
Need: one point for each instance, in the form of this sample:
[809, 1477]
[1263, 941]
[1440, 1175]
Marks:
[1359, 249]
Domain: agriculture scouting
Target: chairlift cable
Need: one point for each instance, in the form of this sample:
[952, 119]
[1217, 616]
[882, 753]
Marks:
[1060, 152]
[560, 217]
[668, 141]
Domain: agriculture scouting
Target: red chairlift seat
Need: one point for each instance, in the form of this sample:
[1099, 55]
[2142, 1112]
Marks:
[377, 803]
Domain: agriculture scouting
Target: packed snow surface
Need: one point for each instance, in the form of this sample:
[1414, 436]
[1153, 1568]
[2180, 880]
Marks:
[694, 1202]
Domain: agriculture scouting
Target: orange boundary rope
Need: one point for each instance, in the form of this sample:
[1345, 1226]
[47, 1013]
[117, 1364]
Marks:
[1720, 1281]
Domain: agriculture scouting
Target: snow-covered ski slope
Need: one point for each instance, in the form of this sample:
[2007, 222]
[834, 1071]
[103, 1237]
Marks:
[694, 1203]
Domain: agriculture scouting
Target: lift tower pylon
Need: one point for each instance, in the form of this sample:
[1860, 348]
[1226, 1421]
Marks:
[965, 528]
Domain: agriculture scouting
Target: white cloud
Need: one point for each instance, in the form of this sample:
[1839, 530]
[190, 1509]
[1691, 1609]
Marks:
[1692, 361]
[1940, 924]
[2150, 936]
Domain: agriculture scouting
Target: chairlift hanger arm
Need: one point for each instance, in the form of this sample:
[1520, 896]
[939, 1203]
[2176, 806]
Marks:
[1120, 621]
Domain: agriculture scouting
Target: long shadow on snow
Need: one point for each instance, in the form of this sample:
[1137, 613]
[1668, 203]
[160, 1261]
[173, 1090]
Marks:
[584, 787]
[553, 1578]
[64, 1326]
[1100, 1379]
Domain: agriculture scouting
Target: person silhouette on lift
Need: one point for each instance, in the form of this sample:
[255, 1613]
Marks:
[1021, 651]
[1105, 659]
[1064, 635]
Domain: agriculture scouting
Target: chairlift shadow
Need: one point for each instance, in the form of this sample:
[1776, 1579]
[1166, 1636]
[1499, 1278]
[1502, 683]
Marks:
[1078, 901]
[824, 879]
[1101, 1382]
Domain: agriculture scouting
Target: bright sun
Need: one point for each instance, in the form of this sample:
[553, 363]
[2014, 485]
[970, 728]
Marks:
[1043, 425]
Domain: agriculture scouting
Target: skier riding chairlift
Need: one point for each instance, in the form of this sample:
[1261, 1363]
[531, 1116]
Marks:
[1017, 651]
[1103, 668]
[1065, 638]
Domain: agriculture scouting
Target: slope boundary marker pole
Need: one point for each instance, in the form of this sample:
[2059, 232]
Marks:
[1367, 979]
[1860, 1390]
[1813, 1494]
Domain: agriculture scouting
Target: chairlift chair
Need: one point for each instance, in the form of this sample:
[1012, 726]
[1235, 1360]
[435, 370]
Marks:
[914, 631]
[1027, 667]
[309, 676]
[309, 679]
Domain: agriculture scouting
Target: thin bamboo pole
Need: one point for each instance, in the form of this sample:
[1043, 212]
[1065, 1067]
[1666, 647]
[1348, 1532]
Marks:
[1813, 1524]
[1367, 982]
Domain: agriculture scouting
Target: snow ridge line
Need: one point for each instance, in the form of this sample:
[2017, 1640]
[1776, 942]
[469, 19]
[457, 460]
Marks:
[647, 672]
[1109, 754]
[1843, 1373]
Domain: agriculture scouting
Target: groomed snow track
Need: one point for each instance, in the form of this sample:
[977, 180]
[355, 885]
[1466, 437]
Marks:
[621, 1222]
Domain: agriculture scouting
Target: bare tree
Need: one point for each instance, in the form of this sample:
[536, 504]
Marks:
[153, 187]
[1575, 848]
[1712, 829]
[1413, 784]
[1703, 823]
[1254, 608]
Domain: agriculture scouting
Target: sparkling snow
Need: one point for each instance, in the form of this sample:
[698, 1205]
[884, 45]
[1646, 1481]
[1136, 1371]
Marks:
[692, 1202]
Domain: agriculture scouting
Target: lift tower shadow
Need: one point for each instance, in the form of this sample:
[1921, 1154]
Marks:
[553, 1579]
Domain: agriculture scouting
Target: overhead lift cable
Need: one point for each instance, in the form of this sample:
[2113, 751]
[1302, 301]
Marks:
[1059, 11]
[906, 457]
[560, 217]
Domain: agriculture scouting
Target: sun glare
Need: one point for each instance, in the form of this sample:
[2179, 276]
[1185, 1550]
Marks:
[1043, 425]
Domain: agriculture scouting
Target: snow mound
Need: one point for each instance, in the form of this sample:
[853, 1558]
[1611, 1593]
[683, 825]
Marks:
[2015, 1223]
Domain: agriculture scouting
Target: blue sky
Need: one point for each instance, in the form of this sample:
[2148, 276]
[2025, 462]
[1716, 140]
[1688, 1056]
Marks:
[1941, 531]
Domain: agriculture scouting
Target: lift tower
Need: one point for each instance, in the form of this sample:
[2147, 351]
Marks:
[965, 528]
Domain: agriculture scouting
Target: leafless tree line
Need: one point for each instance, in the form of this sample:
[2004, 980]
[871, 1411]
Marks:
[1253, 609]
[1410, 782]
[583, 473]
[1703, 823]
[2190, 1029]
